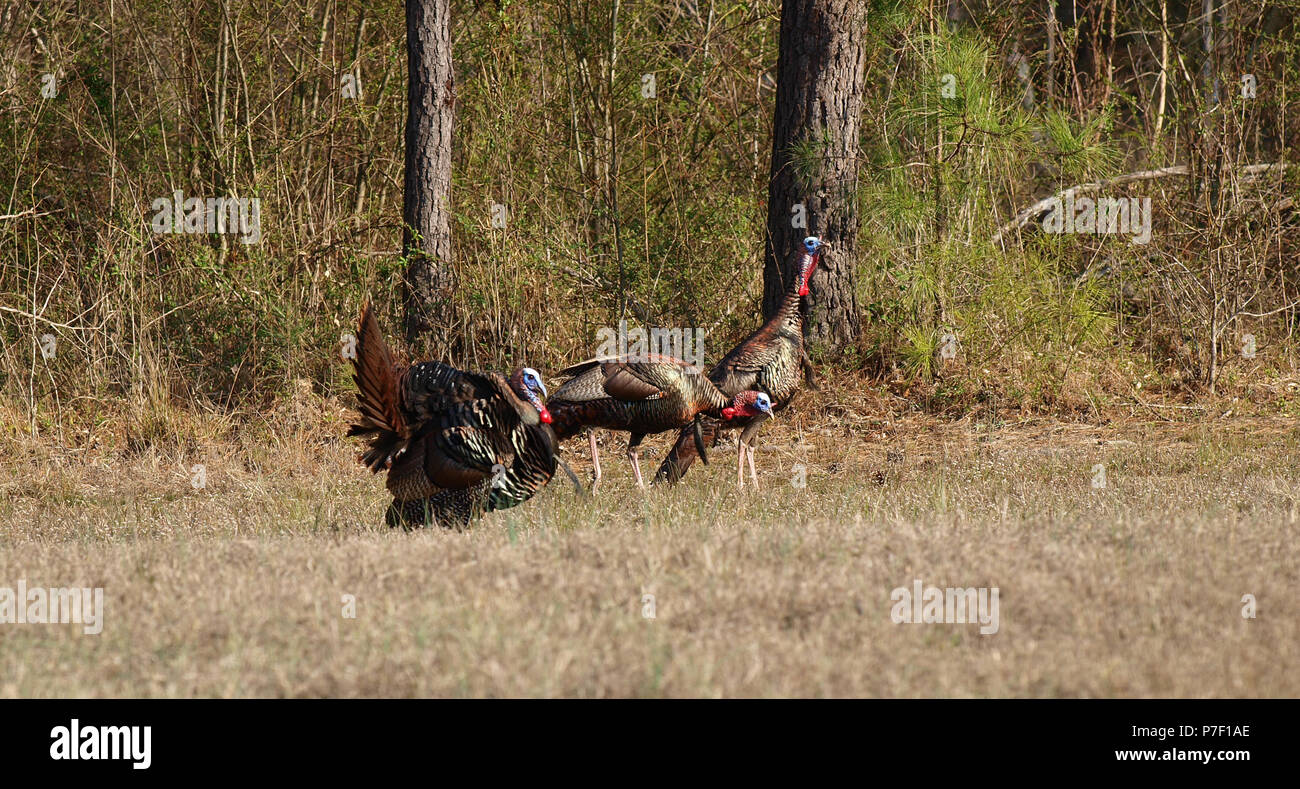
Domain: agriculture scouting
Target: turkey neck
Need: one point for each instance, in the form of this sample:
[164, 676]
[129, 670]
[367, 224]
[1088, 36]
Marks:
[789, 316]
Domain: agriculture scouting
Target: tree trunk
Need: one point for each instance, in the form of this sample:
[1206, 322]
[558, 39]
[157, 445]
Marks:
[426, 240]
[820, 73]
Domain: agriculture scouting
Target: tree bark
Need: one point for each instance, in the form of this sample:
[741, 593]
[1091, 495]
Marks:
[820, 74]
[426, 240]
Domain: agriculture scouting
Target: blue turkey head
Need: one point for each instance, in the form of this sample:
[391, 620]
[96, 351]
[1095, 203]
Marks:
[528, 385]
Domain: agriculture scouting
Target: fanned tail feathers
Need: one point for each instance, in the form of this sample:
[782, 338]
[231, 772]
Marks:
[378, 382]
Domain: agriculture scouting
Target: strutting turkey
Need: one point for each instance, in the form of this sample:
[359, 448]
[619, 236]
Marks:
[770, 360]
[643, 395]
[455, 444]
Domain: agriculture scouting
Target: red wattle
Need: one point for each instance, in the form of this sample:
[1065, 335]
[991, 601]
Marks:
[803, 289]
[728, 412]
[546, 417]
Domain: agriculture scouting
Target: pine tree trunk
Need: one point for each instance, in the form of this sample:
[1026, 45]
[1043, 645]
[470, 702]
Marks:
[820, 73]
[427, 188]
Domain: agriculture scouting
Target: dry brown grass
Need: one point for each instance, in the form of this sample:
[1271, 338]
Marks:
[235, 590]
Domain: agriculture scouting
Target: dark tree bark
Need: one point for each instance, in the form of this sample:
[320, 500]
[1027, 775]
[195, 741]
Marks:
[427, 188]
[820, 73]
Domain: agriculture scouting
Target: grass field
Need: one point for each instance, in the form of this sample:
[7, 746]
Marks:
[237, 588]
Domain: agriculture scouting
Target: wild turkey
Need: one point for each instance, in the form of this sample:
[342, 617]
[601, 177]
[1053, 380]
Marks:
[642, 396]
[769, 360]
[532, 468]
[455, 444]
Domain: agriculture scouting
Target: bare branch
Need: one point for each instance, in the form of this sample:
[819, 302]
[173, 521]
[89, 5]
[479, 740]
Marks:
[1039, 207]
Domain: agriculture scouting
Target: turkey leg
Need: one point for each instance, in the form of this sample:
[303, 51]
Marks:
[595, 459]
[745, 449]
[632, 454]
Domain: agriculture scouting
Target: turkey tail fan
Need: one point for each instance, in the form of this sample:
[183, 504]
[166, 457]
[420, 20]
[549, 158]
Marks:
[378, 396]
